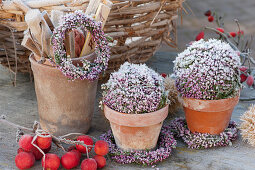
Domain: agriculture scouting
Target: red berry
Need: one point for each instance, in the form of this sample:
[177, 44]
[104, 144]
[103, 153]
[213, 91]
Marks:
[70, 160]
[78, 154]
[87, 141]
[240, 32]
[200, 36]
[89, 164]
[52, 161]
[20, 150]
[221, 30]
[43, 142]
[163, 75]
[210, 19]
[101, 161]
[243, 78]
[243, 68]
[38, 155]
[25, 142]
[250, 80]
[233, 34]
[47, 150]
[208, 13]
[24, 160]
[101, 148]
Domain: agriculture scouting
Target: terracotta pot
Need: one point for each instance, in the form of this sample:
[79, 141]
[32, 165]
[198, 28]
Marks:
[208, 116]
[136, 131]
[64, 106]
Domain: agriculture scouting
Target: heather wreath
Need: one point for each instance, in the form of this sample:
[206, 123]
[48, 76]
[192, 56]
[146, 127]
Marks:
[208, 70]
[88, 70]
[135, 89]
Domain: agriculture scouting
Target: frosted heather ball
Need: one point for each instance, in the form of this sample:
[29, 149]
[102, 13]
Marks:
[208, 70]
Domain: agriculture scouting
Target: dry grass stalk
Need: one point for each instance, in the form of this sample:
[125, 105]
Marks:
[247, 126]
[172, 96]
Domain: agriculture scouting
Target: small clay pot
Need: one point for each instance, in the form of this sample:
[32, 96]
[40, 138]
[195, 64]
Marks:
[64, 106]
[136, 131]
[208, 116]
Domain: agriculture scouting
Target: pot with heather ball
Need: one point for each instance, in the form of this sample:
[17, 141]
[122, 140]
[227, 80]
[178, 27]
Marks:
[135, 103]
[208, 80]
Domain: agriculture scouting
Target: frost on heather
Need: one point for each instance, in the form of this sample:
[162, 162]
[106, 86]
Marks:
[134, 89]
[208, 70]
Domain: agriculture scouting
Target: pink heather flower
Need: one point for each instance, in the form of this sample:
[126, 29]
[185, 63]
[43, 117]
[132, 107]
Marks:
[134, 89]
[88, 70]
[203, 140]
[166, 143]
[207, 70]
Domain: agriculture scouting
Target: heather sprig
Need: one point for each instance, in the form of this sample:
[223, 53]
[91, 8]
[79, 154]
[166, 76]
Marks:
[88, 70]
[203, 140]
[134, 89]
[166, 143]
[208, 70]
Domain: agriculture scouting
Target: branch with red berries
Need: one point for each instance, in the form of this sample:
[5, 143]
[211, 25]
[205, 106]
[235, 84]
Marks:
[36, 143]
[237, 42]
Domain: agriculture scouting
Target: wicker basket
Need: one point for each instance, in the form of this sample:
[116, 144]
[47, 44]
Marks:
[137, 27]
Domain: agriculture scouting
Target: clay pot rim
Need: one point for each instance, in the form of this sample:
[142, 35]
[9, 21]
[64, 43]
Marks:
[145, 119]
[220, 105]
[32, 59]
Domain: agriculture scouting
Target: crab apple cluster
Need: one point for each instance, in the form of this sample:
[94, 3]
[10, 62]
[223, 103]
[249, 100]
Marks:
[245, 77]
[101, 148]
[72, 158]
[211, 17]
[27, 153]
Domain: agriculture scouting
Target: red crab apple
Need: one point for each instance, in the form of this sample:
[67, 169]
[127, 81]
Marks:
[38, 155]
[200, 36]
[243, 78]
[70, 160]
[220, 29]
[208, 13]
[87, 141]
[241, 32]
[163, 75]
[243, 68]
[24, 160]
[233, 34]
[44, 141]
[210, 18]
[47, 150]
[250, 80]
[52, 161]
[25, 142]
[101, 148]
[101, 161]
[78, 154]
[89, 164]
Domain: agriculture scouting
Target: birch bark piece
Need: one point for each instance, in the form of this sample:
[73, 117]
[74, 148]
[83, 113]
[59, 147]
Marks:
[101, 15]
[28, 43]
[70, 44]
[56, 16]
[92, 7]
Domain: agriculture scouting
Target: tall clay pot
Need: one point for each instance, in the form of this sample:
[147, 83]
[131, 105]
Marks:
[136, 131]
[209, 116]
[64, 106]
